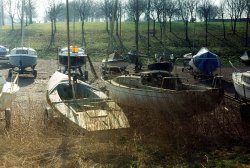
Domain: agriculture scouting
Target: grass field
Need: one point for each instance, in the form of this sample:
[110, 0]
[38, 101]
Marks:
[37, 36]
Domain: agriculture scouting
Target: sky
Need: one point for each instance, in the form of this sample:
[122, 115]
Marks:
[41, 7]
[40, 10]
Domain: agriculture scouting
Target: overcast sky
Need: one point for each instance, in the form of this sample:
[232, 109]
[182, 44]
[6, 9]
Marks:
[41, 7]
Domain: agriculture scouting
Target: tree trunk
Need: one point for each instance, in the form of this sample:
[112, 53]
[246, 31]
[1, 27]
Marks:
[247, 27]
[26, 20]
[107, 25]
[170, 24]
[30, 13]
[52, 32]
[234, 26]
[137, 27]
[117, 26]
[2, 14]
[186, 30]
[83, 35]
[206, 31]
[148, 35]
[154, 29]
[231, 23]
[161, 29]
[55, 29]
[120, 22]
[12, 23]
[224, 27]
[137, 35]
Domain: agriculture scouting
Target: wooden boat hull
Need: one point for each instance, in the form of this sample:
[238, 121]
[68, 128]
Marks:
[242, 90]
[164, 66]
[105, 116]
[181, 103]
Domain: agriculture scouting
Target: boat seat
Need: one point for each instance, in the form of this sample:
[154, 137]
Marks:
[169, 83]
[97, 113]
[86, 107]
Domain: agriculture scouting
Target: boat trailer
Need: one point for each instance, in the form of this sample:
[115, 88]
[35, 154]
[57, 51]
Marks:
[21, 70]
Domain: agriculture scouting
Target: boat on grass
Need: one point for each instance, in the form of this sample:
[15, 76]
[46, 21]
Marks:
[241, 81]
[83, 104]
[164, 92]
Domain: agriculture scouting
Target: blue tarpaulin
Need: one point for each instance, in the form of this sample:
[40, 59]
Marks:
[205, 61]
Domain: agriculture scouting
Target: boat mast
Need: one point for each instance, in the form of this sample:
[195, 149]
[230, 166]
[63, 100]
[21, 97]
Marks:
[22, 22]
[68, 39]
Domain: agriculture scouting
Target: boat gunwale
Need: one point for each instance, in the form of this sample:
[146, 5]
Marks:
[160, 90]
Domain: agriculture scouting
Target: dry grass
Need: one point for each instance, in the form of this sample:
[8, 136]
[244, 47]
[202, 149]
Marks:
[153, 139]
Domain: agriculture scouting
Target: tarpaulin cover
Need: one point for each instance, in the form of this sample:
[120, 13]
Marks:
[206, 61]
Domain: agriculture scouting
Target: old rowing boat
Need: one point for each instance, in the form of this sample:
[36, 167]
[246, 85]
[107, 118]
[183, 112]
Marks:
[161, 91]
[83, 104]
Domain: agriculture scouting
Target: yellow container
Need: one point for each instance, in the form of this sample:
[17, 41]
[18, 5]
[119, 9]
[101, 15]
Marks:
[75, 49]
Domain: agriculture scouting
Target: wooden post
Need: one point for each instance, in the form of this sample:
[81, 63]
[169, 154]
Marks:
[7, 118]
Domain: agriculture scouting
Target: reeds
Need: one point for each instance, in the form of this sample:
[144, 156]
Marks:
[153, 139]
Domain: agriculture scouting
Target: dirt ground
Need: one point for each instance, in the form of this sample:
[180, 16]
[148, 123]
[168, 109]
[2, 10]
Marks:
[31, 143]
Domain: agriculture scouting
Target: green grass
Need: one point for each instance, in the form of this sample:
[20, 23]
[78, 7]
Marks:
[38, 36]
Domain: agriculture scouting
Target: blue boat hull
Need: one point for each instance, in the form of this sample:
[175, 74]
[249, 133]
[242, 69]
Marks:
[23, 61]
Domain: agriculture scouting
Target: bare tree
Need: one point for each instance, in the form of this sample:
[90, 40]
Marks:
[120, 13]
[171, 9]
[247, 21]
[183, 6]
[11, 9]
[152, 15]
[84, 8]
[235, 9]
[2, 12]
[52, 11]
[135, 9]
[205, 9]
[158, 6]
[222, 15]
[191, 7]
[21, 12]
[30, 5]
[107, 9]
[148, 19]
[112, 18]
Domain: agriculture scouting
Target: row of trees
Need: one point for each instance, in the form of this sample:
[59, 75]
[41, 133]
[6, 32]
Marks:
[161, 11]
[17, 11]
[114, 11]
